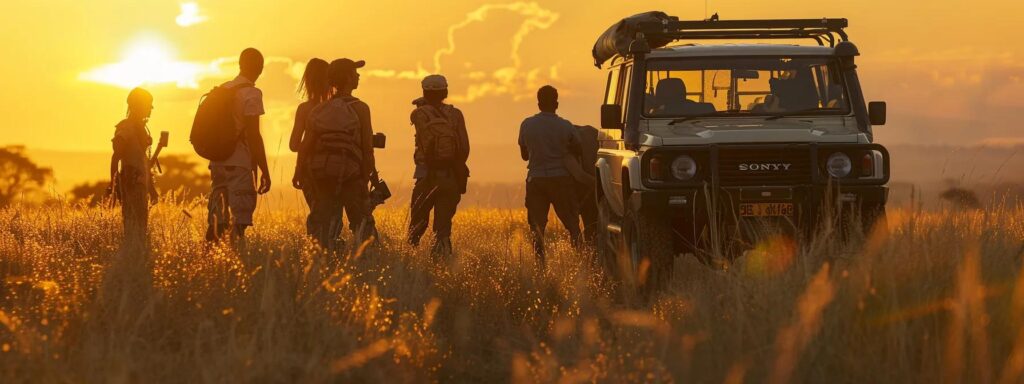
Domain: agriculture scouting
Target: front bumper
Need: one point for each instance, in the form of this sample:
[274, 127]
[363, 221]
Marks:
[693, 210]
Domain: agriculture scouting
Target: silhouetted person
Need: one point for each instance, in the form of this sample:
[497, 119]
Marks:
[670, 100]
[130, 176]
[315, 90]
[586, 182]
[337, 152]
[795, 90]
[233, 198]
[545, 140]
[442, 148]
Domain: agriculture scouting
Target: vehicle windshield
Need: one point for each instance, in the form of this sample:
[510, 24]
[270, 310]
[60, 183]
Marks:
[763, 86]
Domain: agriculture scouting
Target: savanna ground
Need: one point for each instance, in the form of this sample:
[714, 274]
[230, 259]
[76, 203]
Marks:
[939, 298]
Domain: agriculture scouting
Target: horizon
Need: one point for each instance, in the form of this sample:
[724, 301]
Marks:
[958, 92]
[757, 212]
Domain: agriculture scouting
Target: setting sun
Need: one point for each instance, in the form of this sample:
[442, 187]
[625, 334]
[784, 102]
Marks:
[149, 61]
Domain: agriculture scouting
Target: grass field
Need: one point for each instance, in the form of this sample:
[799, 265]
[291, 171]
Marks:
[940, 298]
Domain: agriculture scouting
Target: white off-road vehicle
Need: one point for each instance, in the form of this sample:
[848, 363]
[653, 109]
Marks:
[705, 146]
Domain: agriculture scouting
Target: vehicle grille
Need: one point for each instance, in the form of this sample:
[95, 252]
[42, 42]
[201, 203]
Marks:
[730, 159]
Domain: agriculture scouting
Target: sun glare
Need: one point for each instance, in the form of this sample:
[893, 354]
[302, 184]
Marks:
[149, 62]
[189, 15]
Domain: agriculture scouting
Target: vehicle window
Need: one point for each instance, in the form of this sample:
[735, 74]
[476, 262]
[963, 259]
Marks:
[744, 86]
[627, 78]
[611, 93]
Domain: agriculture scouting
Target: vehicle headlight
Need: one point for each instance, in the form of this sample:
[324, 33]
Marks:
[839, 165]
[684, 168]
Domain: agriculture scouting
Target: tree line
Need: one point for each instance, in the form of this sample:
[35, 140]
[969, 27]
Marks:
[22, 179]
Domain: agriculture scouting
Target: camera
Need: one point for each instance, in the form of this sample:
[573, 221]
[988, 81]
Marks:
[379, 140]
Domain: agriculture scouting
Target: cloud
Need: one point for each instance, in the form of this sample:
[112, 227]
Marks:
[510, 78]
[961, 97]
[149, 61]
[1001, 142]
[189, 15]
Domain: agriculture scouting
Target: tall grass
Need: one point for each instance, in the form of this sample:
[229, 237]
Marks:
[938, 298]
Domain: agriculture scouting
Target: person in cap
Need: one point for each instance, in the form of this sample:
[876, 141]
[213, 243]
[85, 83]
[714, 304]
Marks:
[337, 153]
[130, 177]
[234, 190]
[442, 149]
[545, 141]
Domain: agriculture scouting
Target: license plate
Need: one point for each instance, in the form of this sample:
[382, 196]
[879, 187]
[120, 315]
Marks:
[766, 209]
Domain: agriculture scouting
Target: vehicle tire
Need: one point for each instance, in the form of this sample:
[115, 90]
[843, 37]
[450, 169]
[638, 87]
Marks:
[608, 245]
[873, 219]
[648, 252]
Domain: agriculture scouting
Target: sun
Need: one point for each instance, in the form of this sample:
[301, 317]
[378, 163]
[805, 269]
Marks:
[149, 61]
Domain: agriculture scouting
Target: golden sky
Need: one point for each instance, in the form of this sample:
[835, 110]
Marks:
[948, 69]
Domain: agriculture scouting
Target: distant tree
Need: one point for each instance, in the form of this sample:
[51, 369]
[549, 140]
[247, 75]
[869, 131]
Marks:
[182, 174]
[961, 198]
[19, 175]
[92, 194]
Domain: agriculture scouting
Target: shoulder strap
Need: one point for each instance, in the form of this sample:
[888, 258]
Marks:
[239, 86]
[355, 114]
[438, 112]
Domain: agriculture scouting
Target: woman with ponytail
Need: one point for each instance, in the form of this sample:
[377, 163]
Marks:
[130, 176]
[315, 89]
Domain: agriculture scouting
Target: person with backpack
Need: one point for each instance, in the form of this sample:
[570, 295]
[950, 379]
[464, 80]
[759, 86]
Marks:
[545, 141]
[226, 131]
[130, 177]
[315, 90]
[442, 149]
[337, 153]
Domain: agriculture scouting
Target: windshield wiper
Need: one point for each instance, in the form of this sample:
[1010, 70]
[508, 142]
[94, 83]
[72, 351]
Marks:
[795, 113]
[691, 117]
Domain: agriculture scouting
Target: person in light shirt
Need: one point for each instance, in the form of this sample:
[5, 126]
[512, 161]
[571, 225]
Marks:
[233, 196]
[545, 140]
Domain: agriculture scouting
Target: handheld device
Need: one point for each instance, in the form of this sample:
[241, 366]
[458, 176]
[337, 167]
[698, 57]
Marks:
[155, 161]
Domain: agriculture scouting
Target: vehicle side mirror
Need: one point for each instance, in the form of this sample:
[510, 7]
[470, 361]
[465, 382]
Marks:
[611, 116]
[876, 112]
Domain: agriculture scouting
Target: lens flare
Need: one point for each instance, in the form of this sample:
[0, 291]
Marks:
[189, 15]
[149, 62]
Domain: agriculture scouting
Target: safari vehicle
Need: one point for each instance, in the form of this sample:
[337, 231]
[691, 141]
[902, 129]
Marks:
[704, 146]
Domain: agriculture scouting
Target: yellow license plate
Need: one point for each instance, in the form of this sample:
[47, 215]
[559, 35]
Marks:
[766, 209]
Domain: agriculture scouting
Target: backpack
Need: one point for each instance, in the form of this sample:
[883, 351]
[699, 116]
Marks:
[214, 134]
[437, 138]
[337, 152]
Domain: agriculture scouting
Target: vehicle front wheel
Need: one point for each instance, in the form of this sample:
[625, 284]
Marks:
[648, 251]
[873, 219]
[608, 242]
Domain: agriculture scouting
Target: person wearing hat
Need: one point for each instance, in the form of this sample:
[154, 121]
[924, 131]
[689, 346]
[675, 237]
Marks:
[337, 152]
[130, 176]
[442, 149]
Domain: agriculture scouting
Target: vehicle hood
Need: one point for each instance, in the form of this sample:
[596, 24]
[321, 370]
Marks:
[788, 130]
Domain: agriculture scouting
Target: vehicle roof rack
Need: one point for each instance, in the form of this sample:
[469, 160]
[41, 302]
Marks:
[824, 31]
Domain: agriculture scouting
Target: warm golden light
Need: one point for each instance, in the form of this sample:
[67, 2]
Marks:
[189, 15]
[149, 61]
